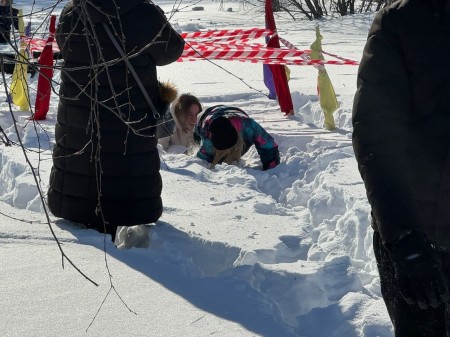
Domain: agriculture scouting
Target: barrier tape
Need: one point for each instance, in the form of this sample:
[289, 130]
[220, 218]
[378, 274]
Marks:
[235, 33]
[349, 61]
[259, 59]
[235, 44]
[220, 54]
[37, 44]
[232, 45]
[208, 50]
[228, 39]
[291, 46]
[346, 61]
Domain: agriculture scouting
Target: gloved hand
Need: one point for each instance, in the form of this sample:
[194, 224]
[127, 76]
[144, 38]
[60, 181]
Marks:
[419, 275]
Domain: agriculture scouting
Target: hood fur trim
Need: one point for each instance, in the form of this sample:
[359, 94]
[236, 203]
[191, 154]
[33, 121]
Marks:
[168, 91]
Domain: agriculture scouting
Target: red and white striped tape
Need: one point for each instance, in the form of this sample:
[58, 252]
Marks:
[237, 55]
[348, 61]
[37, 44]
[210, 49]
[252, 33]
[305, 58]
[233, 45]
[258, 59]
[230, 45]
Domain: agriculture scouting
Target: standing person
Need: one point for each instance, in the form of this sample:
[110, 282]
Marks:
[184, 111]
[226, 133]
[105, 161]
[8, 16]
[401, 138]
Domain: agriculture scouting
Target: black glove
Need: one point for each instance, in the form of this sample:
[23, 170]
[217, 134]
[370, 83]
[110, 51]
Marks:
[419, 275]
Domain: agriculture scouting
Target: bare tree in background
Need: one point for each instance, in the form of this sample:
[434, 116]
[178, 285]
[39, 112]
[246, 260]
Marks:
[317, 9]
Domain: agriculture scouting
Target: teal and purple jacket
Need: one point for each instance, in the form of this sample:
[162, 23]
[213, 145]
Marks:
[251, 132]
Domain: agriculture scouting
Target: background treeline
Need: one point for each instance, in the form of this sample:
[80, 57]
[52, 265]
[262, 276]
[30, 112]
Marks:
[317, 9]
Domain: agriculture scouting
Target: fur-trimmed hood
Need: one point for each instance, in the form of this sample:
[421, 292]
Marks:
[168, 92]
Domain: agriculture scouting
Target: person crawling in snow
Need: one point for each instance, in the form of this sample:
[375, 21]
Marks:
[226, 133]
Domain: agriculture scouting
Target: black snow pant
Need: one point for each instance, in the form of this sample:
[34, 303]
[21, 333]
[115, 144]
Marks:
[409, 320]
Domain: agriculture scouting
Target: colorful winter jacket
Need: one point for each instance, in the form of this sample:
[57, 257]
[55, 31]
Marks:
[251, 132]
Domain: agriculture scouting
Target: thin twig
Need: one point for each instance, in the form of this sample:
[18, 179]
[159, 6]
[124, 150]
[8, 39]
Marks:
[63, 254]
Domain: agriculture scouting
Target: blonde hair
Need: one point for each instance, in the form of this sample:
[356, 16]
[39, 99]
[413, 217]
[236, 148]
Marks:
[230, 155]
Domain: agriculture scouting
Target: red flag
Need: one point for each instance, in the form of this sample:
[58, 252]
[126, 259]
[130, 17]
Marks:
[278, 71]
[45, 75]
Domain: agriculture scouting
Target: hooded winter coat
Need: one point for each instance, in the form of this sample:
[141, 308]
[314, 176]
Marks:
[180, 138]
[183, 139]
[401, 120]
[105, 160]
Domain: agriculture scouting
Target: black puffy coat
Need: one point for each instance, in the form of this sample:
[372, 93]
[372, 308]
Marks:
[401, 120]
[105, 161]
[8, 16]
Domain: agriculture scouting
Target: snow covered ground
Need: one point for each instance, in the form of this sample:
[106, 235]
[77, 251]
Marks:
[238, 251]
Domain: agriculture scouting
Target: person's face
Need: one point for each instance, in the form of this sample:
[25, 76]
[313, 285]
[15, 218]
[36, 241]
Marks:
[191, 117]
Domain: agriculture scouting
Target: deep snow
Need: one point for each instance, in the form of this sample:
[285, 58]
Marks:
[238, 251]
